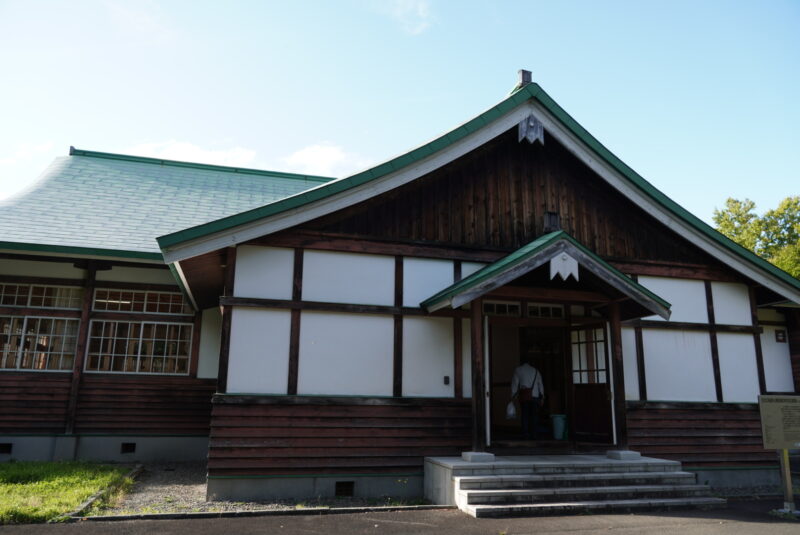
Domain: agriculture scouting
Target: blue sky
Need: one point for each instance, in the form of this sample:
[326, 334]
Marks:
[701, 98]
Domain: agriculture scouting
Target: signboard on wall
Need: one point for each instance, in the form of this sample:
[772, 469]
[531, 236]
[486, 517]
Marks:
[780, 421]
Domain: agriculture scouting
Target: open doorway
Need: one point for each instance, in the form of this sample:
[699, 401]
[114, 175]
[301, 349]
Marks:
[573, 362]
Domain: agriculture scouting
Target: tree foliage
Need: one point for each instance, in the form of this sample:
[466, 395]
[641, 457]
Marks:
[774, 236]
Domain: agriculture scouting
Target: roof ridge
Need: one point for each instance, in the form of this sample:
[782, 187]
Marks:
[194, 165]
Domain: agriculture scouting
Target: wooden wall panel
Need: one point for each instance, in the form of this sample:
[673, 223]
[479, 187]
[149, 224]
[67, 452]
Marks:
[144, 405]
[698, 434]
[299, 435]
[34, 403]
[497, 196]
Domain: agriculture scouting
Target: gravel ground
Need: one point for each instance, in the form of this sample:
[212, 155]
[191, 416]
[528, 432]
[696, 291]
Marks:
[181, 488]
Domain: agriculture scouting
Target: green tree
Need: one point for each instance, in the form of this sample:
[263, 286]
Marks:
[774, 236]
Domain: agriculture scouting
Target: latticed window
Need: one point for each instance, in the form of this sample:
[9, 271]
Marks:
[34, 343]
[139, 347]
[140, 301]
[589, 356]
[40, 296]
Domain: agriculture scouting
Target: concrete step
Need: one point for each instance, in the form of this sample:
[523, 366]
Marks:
[572, 480]
[522, 468]
[579, 494]
[602, 506]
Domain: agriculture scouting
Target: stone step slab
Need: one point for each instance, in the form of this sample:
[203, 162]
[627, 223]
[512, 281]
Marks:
[601, 506]
[572, 480]
[564, 468]
[579, 494]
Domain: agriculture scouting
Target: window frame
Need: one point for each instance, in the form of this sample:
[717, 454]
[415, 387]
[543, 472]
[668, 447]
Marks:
[32, 285]
[24, 334]
[144, 311]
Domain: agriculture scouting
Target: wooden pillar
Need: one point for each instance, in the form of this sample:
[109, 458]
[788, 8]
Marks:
[762, 377]
[294, 329]
[397, 351]
[80, 348]
[712, 334]
[458, 364]
[478, 386]
[227, 313]
[793, 333]
[620, 411]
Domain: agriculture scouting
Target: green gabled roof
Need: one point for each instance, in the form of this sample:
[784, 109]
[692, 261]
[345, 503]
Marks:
[530, 92]
[534, 255]
[113, 205]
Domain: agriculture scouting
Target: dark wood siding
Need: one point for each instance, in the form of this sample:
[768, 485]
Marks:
[33, 403]
[698, 434]
[301, 435]
[144, 405]
[498, 195]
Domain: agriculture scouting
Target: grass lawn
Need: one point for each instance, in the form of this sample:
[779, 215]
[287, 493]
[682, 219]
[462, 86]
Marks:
[41, 491]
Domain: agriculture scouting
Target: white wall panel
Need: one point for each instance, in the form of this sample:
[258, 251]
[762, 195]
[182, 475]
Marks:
[777, 362]
[427, 356]
[258, 360]
[424, 277]
[731, 303]
[30, 268]
[208, 353]
[769, 314]
[687, 297]
[678, 365]
[468, 268]
[346, 354]
[264, 272]
[737, 367]
[629, 364]
[466, 358]
[335, 277]
[131, 274]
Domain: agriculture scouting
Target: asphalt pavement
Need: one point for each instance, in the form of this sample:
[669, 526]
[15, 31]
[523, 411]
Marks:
[751, 517]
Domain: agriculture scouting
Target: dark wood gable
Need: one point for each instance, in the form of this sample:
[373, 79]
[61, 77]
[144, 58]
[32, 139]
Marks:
[504, 195]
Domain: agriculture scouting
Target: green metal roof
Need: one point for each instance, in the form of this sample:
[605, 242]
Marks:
[534, 255]
[102, 204]
[530, 92]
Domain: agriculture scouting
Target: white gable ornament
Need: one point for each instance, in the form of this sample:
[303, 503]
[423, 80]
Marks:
[563, 265]
[531, 129]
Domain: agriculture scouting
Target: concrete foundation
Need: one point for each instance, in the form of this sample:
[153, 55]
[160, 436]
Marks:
[740, 481]
[111, 448]
[272, 488]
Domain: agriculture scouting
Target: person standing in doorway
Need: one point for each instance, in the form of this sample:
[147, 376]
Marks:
[528, 388]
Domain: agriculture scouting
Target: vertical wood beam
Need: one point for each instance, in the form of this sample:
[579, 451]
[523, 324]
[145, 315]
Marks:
[458, 348]
[478, 387]
[194, 358]
[793, 335]
[620, 410]
[712, 335]
[762, 378]
[227, 313]
[80, 348]
[397, 361]
[294, 330]
[637, 332]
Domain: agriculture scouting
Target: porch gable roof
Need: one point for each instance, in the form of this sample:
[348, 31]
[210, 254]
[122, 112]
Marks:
[534, 255]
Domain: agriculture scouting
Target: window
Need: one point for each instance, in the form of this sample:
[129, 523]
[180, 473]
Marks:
[588, 356]
[139, 347]
[140, 301]
[501, 308]
[33, 343]
[40, 296]
[543, 310]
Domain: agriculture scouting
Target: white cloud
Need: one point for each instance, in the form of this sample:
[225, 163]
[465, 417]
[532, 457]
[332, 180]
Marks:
[25, 151]
[413, 16]
[325, 159]
[187, 152]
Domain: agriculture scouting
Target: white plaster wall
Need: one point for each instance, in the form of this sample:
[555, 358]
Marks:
[335, 277]
[687, 297]
[629, 364]
[678, 365]
[346, 354]
[427, 357]
[468, 268]
[208, 354]
[466, 358]
[264, 272]
[424, 277]
[258, 360]
[777, 362]
[737, 367]
[31, 268]
[770, 314]
[731, 303]
[130, 274]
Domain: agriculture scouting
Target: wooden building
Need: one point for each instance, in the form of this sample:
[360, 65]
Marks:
[310, 334]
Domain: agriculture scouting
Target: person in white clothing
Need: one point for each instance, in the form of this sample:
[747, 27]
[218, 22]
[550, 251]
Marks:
[527, 386]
